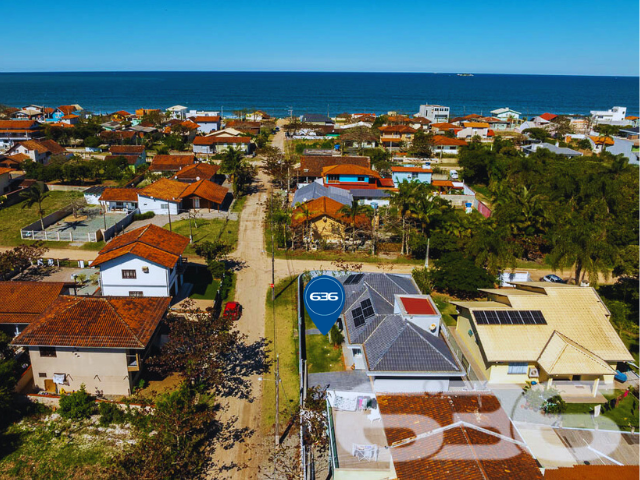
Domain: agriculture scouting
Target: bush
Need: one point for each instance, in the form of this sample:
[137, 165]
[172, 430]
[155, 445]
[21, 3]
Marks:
[143, 216]
[459, 276]
[336, 336]
[110, 413]
[226, 284]
[77, 405]
[217, 269]
[555, 405]
[421, 277]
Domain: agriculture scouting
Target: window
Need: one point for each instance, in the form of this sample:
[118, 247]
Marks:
[128, 274]
[42, 375]
[361, 179]
[145, 269]
[333, 178]
[356, 352]
[136, 294]
[48, 352]
[518, 368]
[164, 206]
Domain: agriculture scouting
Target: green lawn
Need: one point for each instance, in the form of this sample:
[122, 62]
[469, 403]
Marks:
[204, 285]
[57, 450]
[238, 205]
[625, 415]
[322, 356]
[446, 309]
[483, 192]
[286, 346]
[210, 230]
[15, 217]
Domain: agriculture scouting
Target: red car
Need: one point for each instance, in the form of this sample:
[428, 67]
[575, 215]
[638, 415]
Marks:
[232, 310]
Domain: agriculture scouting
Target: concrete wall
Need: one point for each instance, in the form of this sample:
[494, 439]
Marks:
[155, 205]
[102, 369]
[462, 328]
[156, 283]
[66, 188]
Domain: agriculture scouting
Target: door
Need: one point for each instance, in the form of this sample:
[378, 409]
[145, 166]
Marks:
[196, 202]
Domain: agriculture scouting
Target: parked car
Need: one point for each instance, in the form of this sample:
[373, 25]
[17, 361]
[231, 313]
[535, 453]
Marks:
[453, 174]
[232, 310]
[553, 279]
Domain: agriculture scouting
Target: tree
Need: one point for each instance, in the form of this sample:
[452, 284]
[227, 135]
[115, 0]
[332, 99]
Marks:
[540, 134]
[458, 275]
[232, 165]
[561, 126]
[404, 199]
[8, 375]
[178, 438]
[92, 142]
[422, 145]
[278, 166]
[302, 211]
[211, 355]
[358, 136]
[35, 195]
[353, 212]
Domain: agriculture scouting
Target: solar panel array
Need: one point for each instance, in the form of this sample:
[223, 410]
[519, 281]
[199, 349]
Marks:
[353, 279]
[358, 317]
[367, 308]
[509, 317]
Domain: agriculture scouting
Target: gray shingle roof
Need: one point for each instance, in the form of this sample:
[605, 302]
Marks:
[315, 190]
[369, 193]
[391, 343]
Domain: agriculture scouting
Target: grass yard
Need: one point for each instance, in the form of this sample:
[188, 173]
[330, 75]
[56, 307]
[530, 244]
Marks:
[210, 230]
[322, 356]
[238, 205]
[15, 217]
[483, 192]
[625, 415]
[286, 346]
[204, 285]
[56, 450]
[446, 309]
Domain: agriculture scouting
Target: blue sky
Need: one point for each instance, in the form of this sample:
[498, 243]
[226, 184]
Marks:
[543, 37]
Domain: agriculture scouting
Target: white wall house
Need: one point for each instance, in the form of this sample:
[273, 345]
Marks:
[132, 276]
[613, 116]
[146, 262]
[434, 113]
[506, 113]
[207, 124]
[158, 205]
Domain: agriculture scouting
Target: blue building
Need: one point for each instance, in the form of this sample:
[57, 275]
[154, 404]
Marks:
[421, 174]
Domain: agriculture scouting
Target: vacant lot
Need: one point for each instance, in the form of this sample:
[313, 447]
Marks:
[206, 230]
[13, 218]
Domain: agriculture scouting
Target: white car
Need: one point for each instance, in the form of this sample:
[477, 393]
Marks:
[453, 174]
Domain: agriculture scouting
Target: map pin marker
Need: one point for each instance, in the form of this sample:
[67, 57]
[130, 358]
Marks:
[324, 298]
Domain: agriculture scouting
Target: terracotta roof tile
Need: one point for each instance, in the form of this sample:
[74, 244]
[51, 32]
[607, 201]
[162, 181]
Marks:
[67, 109]
[397, 129]
[476, 125]
[44, 146]
[442, 140]
[349, 170]
[211, 119]
[4, 170]
[150, 242]
[23, 302]
[411, 169]
[164, 189]
[127, 149]
[198, 171]
[18, 124]
[593, 472]
[96, 322]
[312, 165]
[462, 451]
[322, 206]
[548, 116]
[120, 195]
[171, 163]
[207, 190]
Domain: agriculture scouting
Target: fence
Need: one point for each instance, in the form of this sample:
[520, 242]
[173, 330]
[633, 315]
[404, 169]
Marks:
[483, 209]
[118, 227]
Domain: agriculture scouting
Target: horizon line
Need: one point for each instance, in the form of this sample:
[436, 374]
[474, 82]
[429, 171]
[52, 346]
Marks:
[319, 71]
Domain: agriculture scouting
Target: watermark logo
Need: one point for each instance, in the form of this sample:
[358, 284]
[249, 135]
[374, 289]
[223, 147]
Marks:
[323, 299]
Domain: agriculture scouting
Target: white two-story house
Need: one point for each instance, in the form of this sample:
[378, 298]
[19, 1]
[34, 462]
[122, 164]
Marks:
[146, 262]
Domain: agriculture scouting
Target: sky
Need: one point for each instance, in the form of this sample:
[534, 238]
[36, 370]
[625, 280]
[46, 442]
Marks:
[543, 37]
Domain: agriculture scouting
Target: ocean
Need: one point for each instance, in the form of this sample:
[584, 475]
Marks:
[315, 92]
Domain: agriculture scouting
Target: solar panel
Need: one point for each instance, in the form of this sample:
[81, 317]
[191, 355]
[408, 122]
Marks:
[349, 280]
[358, 318]
[367, 308]
[509, 317]
[357, 278]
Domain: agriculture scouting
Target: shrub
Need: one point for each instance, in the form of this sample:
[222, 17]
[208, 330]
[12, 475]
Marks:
[110, 413]
[143, 216]
[217, 269]
[336, 336]
[554, 404]
[77, 405]
[421, 277]
[225, 286]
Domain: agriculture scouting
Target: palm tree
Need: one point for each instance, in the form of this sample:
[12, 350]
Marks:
[232, 164]
[302, 211]
[353, 211]
[605, 132]
[404, 199]
[35, 195]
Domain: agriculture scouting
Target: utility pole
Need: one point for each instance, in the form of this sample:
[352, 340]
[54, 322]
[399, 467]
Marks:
[169, 210]
[426, 260]
[277, 436]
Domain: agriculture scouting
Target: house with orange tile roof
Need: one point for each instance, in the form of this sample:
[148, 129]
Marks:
[311, 166]
[23, 302]
[200, 171]
[445, 145]
[420, 174]
[145, 262]
[13, 161]
[170, 197]
[207, 123]
[171, 163]
[394, 136]
[39, 151]
[5, 179]
[101, 342]
[212, 144]
[15, 131]
[472, 129]
[119, 199]
[136, 155]
[322, 218]
[351, 176]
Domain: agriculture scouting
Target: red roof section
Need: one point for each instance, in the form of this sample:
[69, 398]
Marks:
[418, 306]
[23, 302]
[593, 472]
[211, 119]
[198, 171]
[127, 149]
[171, 163]
[119, 195]
[18, 124]
[446, 141]
[150, 242]
[548, 116]
[96, 322]
[349, 170]
[325, 206]
[206, 189]
[411, 169]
